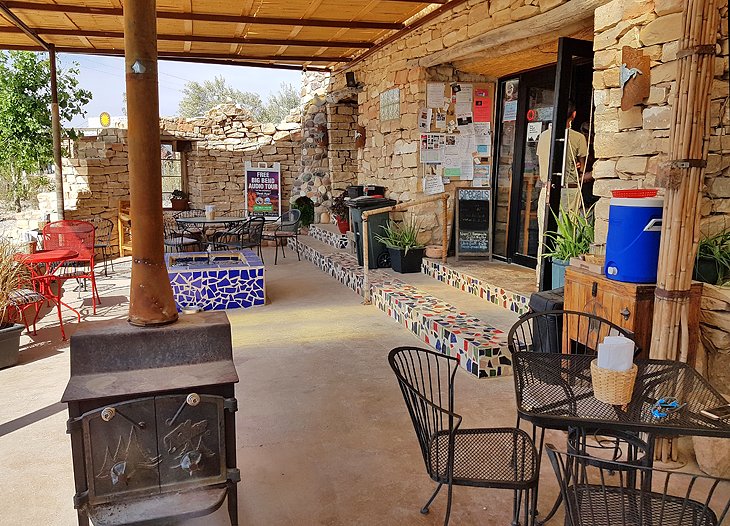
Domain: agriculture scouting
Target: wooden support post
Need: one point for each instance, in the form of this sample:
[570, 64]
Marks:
[444, 226]
[56, 126]
[150, 296]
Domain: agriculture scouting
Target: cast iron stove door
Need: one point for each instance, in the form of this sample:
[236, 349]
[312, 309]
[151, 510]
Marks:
[120, 443]
[191, 441]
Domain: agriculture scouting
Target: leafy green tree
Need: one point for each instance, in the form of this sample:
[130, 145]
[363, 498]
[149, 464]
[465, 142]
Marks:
[198, 98]
[280, 104]
[25, 116]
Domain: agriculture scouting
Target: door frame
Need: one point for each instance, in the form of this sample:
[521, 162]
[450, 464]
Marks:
[567, 49]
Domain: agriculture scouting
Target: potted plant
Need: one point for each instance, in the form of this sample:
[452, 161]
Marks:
[179, 200]
[572, 238]
[341, 212]
[306, 206]
[12, 275]
[405, 251]
[713, 259]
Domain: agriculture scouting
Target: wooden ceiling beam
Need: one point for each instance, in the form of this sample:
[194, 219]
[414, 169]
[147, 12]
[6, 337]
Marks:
[207, 17]
[199, 38]
[22, 27]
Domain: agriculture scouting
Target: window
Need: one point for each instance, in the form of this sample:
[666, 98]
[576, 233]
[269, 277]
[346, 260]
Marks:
[172, 172]
[390, 104]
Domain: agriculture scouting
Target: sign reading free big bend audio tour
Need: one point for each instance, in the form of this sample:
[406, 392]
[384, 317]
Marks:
[263, 189]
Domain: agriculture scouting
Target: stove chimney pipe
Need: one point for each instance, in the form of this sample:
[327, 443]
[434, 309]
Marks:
[150, 298]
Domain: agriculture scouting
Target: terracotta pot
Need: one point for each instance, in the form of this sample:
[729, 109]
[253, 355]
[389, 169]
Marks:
[324, 218]
[179, 204]
[343, 225]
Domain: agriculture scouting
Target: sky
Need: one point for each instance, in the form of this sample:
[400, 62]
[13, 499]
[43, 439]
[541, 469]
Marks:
[104, 78]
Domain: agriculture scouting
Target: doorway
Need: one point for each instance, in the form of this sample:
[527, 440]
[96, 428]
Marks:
[527, 105]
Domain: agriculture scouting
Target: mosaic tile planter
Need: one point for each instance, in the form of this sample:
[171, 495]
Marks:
[233, 280]
[481, 349]
[329, 237]
[512, 301]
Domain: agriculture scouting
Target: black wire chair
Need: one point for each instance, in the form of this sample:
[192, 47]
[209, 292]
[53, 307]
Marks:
[102, 239]
[287, 227]
[243, 235]
[193, 231]
[598, 493]
[503, 458]
[575, 332]
[177, 240]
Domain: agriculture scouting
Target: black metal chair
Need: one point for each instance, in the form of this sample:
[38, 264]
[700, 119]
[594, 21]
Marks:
[503, 458]
[611, 493]
[287, 227]
[576, 333]
[103, 233]
[176, 240]
[243, 235]
[191, 230]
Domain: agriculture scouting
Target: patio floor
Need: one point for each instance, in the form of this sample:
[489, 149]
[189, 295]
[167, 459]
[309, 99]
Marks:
[323, 434]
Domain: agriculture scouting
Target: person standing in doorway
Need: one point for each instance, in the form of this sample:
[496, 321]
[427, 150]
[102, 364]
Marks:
[574, 160]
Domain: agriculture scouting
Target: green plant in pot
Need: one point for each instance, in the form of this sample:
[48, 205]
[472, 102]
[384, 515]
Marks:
[179, 200]
[341, 212]
[713, 259]
[306, 206]
[572, 238]
[12, 275]
[405, 251]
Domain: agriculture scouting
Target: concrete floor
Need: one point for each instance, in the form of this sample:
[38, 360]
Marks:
[323, 435]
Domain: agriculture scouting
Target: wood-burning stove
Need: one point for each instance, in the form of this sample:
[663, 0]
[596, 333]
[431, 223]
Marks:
[152, 420]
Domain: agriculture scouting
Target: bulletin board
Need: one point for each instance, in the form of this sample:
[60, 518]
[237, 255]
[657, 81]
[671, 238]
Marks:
[456, 132]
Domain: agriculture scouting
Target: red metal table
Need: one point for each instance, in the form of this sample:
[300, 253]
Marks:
[43, 265]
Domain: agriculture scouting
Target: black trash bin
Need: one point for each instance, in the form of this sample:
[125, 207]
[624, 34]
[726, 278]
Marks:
[548, 331]
[377, 251]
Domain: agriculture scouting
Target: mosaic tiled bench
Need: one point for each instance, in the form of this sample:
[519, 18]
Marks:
[233, 280]
[512, 301]
[481, 349]
[330, 237]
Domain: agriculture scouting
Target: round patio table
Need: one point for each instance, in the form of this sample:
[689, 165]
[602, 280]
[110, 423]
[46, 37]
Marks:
[205, 224]
[43, 265]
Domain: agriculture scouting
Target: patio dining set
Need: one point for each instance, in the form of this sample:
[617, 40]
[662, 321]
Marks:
[193, 230]
[605, 470]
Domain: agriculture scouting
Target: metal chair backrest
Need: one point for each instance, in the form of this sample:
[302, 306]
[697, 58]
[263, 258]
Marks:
[192, 212]
[170, 227]
[290, 220]
[255, 229]
[608, 492]
[72, 235]
[103, 229]
[426, 380]
[563, 331]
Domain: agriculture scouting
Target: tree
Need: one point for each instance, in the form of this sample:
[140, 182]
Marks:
[199, 98]
[25, 115]
[280, 104]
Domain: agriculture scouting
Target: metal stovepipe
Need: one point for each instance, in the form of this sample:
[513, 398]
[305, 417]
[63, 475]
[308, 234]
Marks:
[150, 297]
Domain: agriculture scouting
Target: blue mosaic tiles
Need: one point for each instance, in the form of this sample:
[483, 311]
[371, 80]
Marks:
[481, 349]
[329, 237]
[231, 282]
[512, 301]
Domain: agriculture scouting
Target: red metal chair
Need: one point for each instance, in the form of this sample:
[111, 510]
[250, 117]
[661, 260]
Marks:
[77, 236]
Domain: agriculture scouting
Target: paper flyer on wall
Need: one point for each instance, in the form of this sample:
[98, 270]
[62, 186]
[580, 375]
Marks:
[432, 147]
[482, 105]
[424, 120]
[435, 94]
[534, 129]
[440, 120]
[467, 168]
[432, 180]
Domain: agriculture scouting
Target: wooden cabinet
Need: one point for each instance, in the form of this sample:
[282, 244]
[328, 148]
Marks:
[629, 305]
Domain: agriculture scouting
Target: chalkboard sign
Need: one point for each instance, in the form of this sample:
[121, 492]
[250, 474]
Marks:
[473, 224]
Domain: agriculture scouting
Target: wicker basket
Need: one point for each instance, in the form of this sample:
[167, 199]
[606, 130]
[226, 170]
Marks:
[613, 387]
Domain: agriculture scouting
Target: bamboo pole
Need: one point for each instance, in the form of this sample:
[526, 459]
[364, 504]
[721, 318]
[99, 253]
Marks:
[683, 178]
[401, 207]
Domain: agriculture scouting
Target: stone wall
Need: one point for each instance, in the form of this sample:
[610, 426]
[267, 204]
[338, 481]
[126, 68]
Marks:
[342, 152]
[97, 176]
[631, 145]
[390, 155]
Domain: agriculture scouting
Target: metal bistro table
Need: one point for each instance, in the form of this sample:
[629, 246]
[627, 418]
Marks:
[205, 224]
[554, 391]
